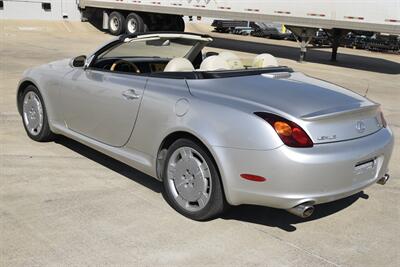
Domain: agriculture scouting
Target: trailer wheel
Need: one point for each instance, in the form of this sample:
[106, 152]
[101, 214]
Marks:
[134, 24]
[116, 23]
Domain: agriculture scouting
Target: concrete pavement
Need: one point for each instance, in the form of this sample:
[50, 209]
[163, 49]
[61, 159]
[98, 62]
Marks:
[62, 203]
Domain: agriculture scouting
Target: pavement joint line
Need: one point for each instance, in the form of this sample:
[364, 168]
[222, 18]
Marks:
[152, 202]
[30, 45]
[55, 249]
[394, 125]
[294, 246]
[41, 156]
[65, 196]
[310, 253]
[10, 73]
[9, 113]
[135, 193]
[66, 26]
[9, 119]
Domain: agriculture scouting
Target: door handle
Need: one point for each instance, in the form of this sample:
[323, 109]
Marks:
[130, 94]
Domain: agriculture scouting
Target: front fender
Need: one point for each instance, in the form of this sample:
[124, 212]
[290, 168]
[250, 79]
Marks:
[48, 80]
[24, 82]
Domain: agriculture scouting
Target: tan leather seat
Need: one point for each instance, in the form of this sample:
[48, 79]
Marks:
[179, 64]
[233, 60]
[264, 61]
[214, 63]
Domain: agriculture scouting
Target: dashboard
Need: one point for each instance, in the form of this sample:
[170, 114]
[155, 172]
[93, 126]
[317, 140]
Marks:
[144, 65]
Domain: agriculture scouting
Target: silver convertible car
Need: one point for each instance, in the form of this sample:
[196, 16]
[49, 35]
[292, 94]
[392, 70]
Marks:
[215, 128]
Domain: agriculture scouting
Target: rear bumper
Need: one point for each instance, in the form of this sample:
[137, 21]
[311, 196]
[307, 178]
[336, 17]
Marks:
[320, 174]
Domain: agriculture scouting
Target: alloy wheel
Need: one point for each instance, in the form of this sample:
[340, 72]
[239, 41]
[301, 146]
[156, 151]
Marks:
[189, 179]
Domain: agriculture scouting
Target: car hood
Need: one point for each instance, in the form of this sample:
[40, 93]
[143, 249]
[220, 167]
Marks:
[59, 67]
[60, 63]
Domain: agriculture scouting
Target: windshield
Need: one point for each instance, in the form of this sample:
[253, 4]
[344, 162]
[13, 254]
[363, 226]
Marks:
[171, 52]
[154, 47]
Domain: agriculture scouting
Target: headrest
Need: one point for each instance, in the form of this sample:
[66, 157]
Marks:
[179, 64]
[214, 63]
[265, 60]
[233, 60]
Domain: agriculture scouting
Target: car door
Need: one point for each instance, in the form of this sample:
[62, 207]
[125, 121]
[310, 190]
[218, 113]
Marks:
[102, 105]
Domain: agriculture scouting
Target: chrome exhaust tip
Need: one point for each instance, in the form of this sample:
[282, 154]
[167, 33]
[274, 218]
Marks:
[302, 210]
[384, 179]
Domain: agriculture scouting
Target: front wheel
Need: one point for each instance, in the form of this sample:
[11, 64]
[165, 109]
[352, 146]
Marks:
[192, 185]
[34, 115]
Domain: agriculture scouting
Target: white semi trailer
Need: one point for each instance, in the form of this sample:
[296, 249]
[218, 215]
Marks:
[302, 17]
[365, 15]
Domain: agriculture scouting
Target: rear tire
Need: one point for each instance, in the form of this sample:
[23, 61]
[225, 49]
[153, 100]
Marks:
[192, 185]
[135, 24]
[116, 23]
[34, 115]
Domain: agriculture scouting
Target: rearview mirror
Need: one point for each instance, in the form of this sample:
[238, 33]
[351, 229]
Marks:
[78, 61]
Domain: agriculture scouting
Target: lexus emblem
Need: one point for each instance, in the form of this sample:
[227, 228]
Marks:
[360, 126]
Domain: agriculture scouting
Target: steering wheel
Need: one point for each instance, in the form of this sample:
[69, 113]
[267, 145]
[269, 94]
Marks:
[126, 66]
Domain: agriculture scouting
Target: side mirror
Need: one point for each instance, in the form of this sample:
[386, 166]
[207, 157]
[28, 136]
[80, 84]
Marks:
[78, 62]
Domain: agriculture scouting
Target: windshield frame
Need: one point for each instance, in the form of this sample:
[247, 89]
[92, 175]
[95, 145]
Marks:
[203, 41]
[147, 51]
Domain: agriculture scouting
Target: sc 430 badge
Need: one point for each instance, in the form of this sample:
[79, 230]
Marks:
[327, 138]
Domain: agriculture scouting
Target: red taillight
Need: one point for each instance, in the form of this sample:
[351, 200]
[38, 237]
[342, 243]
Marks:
[290, 133]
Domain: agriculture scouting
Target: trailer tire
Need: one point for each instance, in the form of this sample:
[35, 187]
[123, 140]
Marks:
[135, 23]
[116, 23]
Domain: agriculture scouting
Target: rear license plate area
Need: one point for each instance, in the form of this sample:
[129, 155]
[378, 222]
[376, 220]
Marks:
[366, 167]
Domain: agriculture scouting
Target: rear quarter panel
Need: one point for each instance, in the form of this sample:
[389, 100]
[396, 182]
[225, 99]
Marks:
[215, 121]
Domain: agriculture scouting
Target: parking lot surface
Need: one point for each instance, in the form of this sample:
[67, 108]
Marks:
[62, 203]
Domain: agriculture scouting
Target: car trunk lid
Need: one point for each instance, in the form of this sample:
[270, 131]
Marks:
[328, 113]
[343, 123]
